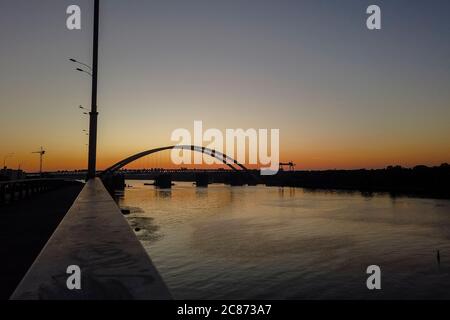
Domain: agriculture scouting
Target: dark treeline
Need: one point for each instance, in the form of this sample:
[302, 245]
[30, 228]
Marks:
[420, 180]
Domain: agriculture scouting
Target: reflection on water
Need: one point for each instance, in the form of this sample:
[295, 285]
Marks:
[227, 242]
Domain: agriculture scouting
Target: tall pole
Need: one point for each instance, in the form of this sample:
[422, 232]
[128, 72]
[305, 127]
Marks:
[41, 154]
[92, 159]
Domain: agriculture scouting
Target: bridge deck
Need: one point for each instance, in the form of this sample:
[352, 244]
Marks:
[95, 236]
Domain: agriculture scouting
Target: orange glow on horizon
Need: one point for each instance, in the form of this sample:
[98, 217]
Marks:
[313, 160]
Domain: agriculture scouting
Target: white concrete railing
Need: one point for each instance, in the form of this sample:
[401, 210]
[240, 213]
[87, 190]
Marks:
[94, 236]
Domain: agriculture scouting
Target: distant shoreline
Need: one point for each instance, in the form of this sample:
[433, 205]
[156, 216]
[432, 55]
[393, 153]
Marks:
[419, 181]
[422, 181]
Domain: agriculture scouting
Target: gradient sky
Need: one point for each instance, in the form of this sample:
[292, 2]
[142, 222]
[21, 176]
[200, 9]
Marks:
[341, 95]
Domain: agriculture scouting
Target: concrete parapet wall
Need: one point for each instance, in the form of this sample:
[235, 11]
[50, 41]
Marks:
[95, 236]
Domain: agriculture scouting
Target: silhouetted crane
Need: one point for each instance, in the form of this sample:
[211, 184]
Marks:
[41, 154]
[290, 164]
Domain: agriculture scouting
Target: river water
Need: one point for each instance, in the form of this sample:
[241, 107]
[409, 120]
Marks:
[262, 242]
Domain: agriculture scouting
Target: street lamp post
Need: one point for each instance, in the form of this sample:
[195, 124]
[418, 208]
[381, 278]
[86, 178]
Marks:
[93, 114]
[92, 159]
[79, 62]
[81, 70]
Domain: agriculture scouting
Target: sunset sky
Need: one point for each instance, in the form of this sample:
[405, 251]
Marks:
[341, 95]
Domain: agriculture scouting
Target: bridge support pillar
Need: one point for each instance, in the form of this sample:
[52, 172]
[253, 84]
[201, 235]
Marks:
[236, 179]
[163, 181]
[201, 179]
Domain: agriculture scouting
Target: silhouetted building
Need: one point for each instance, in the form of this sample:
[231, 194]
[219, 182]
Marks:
[11, 174]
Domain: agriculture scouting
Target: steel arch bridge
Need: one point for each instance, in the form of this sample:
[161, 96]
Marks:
[213, 153]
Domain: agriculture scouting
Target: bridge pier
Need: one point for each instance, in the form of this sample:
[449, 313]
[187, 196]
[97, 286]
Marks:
[251, 181]
[201, 180]
[163, 181]
[236, 179]
[114, 182]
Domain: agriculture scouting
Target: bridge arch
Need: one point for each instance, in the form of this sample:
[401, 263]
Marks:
[213, 153]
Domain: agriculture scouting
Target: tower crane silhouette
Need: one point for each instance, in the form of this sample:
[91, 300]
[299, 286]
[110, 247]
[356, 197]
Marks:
[41, 154]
